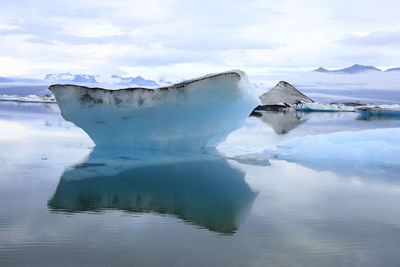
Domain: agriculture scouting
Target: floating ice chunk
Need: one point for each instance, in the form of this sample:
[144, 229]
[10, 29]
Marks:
[364, 109]
[259, 159]
[186, 116]
[29, 98]
[322, 107]
[378, 147]
[379, 112]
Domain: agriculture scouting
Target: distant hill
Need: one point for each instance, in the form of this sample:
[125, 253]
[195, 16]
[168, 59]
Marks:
[16, 80]
[349, 70]
[25, 87]
[91, 79]
[5, 80]
[321, 69]
[138, 81]
[68, 77]
[392, 69]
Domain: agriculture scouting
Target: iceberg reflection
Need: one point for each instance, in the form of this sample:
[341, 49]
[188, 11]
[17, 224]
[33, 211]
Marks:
[199, 188]
[283, 121]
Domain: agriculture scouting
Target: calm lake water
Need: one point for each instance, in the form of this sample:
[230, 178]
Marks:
[64, 203]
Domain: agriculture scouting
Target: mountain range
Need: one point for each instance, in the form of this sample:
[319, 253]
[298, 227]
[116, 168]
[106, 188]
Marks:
[354, 69]
[138, 80]
[91, 79]
[86, 79]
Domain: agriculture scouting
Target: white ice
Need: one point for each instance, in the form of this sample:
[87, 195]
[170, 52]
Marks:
[28, 99]
[372, 108]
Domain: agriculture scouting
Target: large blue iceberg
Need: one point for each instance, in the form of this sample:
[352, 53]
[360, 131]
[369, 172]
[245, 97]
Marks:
[190, 115]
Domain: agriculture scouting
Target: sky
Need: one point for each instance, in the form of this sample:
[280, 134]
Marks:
[187, 37]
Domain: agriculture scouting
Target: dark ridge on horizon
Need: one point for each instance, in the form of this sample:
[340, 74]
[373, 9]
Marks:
[84, 79]
[355, 69]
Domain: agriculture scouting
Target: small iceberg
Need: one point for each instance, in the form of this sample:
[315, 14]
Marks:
[285, 97]
[322, 107]
[189, 115]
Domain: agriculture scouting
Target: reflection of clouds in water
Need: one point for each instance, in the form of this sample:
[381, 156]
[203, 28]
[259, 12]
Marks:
[11, 129]
[369, 153]
[201, 189]
[37, 119]
[325, 211]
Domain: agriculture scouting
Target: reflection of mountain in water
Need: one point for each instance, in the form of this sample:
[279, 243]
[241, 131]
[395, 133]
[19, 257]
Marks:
[283, 121]
[202, 189]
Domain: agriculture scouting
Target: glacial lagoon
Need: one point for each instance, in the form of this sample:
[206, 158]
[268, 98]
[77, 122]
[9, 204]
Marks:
[64, 202]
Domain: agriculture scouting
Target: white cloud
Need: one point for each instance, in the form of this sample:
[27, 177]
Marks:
[92, 30]
[383, 38]
[119, 35]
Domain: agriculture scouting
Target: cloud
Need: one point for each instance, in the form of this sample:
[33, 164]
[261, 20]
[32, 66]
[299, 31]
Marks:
[383, 38]
[222, 34]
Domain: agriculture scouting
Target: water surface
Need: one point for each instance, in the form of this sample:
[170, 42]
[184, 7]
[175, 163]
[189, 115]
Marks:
[63, 202]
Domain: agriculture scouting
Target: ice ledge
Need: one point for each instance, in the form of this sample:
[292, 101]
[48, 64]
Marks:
[189, 115]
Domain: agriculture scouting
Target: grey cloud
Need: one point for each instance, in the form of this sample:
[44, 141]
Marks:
[216, 40]
[375, 39]
[188, 37]
[164, 58]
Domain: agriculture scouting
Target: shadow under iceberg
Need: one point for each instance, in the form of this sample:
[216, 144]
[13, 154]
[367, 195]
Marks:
[202, 189]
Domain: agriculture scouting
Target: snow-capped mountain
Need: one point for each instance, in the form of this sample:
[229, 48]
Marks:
[89, 79]
[138, 81]
[73, 78]
[350, 70]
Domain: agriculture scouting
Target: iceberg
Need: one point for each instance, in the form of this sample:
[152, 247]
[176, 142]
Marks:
[189, 115]
[285, 95]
